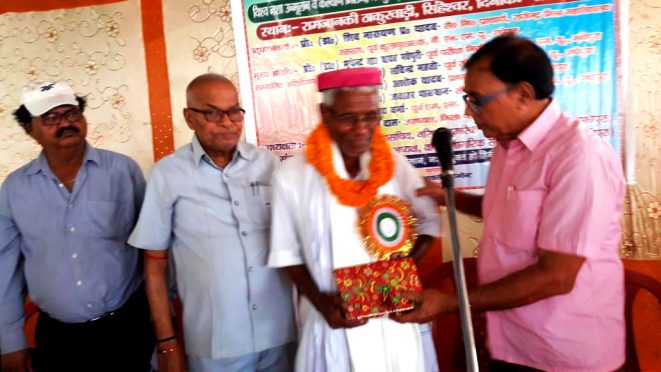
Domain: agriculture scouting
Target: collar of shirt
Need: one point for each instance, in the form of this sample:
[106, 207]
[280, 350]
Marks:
[245, 152]
[533, 135]
[41, 164]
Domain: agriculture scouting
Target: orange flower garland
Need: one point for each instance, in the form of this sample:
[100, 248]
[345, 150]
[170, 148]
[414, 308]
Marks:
[349, 192]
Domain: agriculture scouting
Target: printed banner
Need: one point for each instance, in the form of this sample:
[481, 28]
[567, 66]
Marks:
[421, 47]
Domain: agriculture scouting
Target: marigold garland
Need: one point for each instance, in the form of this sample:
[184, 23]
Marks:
[349, 192]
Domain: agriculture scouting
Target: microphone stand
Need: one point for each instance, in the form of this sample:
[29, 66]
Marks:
[447, 178]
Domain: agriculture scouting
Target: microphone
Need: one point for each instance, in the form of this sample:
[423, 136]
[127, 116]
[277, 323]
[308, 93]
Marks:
[442, 142]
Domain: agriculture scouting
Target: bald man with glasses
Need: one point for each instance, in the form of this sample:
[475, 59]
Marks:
[65, 218]
[208, 205]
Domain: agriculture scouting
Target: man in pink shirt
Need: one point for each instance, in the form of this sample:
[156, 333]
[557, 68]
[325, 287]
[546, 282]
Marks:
[552, 283]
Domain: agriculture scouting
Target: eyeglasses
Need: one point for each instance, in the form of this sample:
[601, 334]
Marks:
[348, 121]
[54, 118]
[475, 103]
[216, 115]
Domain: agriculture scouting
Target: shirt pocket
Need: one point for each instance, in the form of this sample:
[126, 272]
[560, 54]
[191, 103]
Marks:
[259, 197]
[519, 222]
[110, 219]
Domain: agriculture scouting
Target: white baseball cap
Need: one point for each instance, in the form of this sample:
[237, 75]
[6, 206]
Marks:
[41, 97]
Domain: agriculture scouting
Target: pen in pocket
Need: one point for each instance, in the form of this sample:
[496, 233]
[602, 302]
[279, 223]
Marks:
[254, 188]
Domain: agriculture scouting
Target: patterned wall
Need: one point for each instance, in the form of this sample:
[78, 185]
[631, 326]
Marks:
[642, 235]
[199, 39]
[98, 50]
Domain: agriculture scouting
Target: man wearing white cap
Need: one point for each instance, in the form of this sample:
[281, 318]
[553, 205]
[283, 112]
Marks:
[65, 218]
[316, 201]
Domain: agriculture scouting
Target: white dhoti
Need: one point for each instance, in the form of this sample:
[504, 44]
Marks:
[310, 227]
[382, 344]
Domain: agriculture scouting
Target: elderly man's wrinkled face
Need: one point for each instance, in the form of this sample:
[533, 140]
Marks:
[61, 127]
[215, 115]
[351, 121]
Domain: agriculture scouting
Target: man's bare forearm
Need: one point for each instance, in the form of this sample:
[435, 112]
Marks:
[421, 247]
[157, 293]
[301, 277]
[553, 274]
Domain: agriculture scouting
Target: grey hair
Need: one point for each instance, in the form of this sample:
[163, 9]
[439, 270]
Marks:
[328, 95]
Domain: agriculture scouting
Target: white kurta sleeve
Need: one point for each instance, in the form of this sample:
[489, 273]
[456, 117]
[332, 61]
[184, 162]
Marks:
[286, 248]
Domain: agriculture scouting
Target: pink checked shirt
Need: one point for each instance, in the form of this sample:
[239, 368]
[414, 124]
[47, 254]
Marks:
[559, 187]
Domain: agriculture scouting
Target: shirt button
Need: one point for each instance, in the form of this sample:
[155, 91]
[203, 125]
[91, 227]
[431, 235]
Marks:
[72, 229]
[236, 202]
[227, 174]
[79, 283]
[244, 233]
[89, 306]
[71, 205]
[60, 185]
[250, 269]
[74, 255]
[254, 307]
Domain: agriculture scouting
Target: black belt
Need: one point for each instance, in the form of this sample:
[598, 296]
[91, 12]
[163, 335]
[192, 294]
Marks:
[110, 313]
[133, 301]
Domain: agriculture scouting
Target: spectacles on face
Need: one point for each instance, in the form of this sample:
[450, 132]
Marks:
[476, 103]
[216, 115]
[349, 121]
[54, 118]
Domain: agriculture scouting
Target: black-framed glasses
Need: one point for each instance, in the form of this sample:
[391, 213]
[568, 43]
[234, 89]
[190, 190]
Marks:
[475, 103]
[54, 118]
[350, 120]
[216, 115]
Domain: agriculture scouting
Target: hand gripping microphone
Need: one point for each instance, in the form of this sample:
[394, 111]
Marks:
[442, 142]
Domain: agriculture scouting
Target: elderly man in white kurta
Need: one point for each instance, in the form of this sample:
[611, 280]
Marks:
[314, 229]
